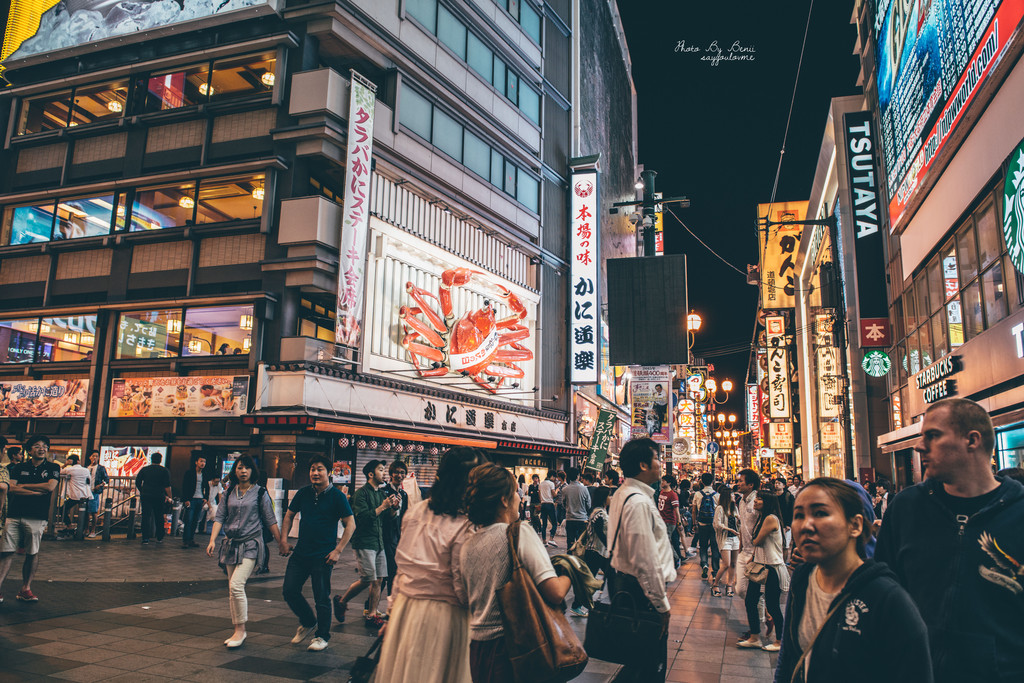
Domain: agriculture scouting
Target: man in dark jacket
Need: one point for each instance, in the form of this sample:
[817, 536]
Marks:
[392, 526]
[955, 543]
[153, 483]
[195, 495]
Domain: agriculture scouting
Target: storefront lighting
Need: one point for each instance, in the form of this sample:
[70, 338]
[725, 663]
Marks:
[186, 202]
[267, 79]
[246, 343]
[71, 337]
[693, 322]
[195, 346]
[257, 194]
[245, 322]
[174, 325]
[32, 327]
[205, 89]
[115, 106]
[88, 339]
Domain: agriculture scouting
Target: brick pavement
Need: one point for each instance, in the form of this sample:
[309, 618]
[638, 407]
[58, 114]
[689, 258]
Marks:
[118, 611]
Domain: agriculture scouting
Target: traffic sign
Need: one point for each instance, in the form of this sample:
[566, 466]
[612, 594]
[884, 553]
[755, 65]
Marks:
[712, 448]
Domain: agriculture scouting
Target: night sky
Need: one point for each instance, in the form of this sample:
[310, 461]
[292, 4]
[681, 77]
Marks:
[713, 134]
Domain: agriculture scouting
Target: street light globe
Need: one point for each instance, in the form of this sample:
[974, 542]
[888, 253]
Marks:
[693, 322]
[711, 384]
[721, 417]
[732, 417]
[727, 385]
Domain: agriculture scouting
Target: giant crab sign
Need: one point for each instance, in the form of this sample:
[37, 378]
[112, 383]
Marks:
[477, 345]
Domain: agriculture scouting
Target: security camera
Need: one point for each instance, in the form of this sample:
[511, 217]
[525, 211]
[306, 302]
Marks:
[634, 218]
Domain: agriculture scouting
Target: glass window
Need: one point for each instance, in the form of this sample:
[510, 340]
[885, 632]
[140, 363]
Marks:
[994, 294]
[86, 217]
[935, 286]
[530, 21]
[512, 87]
[18, 340]
[480, 57]
[163, 206]
[990, 236]
[967, 252]
[63, 340]
[447, 135]
[497, 168]
[510, 178]
[900, 363]
[939, 341]
[950, 281]
[921, 290]
[973, 321]
[451, 32]
[924, 339]
[218, 331]
[27, 224]
[955, 318]
[529, 103]
[242, 76]
[98, 102]
[235, 198]
[915, 354]
[513, 8]
[148, 334]
[414, 113]
[45, 112]
[477, 155]
[909, 313]
[527, 191]
[176, 89]
[499, 74]
[424, 11]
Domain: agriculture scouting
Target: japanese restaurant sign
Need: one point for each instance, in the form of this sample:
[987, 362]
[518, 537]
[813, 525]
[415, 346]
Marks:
[754, 412]
[779, 398]
[224, 396]
[603, 434]
[356, 212]
[780, 436]
[649, 390]
[584, 270]
[44, 398]
[778, 253]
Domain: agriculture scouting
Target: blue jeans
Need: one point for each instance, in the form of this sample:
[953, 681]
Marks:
[318, 572]
[191, 515]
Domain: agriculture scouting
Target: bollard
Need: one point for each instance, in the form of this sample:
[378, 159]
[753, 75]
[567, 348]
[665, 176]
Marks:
[107, 517]
[83, 520]
[175, 517]
[131, 518]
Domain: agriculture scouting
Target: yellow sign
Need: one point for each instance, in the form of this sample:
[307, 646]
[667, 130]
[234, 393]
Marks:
[779, 245]
[22, 23]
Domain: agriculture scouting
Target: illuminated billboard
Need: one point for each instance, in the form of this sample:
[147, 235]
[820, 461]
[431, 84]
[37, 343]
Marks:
[38, 26]
[932, 58]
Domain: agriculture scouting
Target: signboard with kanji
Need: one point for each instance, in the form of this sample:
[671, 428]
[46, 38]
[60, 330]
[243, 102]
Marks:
[779, 245]
[779, 399]
[584, 278]
[356, 216]
[649, 403]
[603, 434]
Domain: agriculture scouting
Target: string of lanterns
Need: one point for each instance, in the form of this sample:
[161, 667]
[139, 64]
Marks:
[398, 447]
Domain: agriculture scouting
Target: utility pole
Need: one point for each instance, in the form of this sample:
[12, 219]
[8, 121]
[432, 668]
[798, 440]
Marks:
[648, 210]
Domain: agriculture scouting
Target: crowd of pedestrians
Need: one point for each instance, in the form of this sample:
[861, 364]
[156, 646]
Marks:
[835, 576]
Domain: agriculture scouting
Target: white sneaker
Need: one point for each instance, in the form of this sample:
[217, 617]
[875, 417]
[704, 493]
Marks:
[317, 645]
[302, 633]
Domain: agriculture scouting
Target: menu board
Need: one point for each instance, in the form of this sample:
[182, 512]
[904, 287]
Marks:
[44, 398]
[179, 396]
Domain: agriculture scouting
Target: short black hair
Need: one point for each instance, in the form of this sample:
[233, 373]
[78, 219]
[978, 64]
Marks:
[323, 460]
[751, 478]
[613, 476]
[34, 439]
[572, 474]
[73, 459]
[156, 458]
[636, 452]
[371, 465]
[95, 450]
[706, 479]
[3, 442]
[670, 480]
[398, 465]
[600, 496]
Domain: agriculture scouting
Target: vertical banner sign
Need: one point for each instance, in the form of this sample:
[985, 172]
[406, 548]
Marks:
[649, 391]
[584, 297]
[827, 367]
[775, 329]
[778, 253]
[356, 212]
[778, 384]
[780, 436]
[603, 433]
[861, 171]
[754, 412]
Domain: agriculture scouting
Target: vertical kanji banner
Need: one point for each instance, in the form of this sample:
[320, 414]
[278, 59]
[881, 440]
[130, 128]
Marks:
[584, 295]
[603, 433]
[356, 212]
[779, 245]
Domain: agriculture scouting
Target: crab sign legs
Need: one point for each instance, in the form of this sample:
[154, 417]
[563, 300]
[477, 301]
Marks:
[477, 345]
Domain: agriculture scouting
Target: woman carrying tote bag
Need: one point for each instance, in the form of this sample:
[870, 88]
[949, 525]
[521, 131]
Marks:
[767, 542]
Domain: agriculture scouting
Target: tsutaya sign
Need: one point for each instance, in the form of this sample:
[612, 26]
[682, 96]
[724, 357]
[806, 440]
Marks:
[584, 278]
[861, 171]
[934, 379]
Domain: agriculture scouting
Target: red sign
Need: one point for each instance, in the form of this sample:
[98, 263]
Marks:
[875, 332]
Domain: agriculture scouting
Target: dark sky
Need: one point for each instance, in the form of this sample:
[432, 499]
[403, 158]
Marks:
[713, 134]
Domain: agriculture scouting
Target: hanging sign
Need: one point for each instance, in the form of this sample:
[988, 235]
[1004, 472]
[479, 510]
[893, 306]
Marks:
[779, 399]
[356, 212]
[584, 278]
[649, 403]
[876, 363]
[780, 435]
[778, 253]
[602, 438]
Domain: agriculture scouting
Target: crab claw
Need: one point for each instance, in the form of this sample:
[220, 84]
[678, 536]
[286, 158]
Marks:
[457, 277]
[420, 295]
[408, 317]
[518, 309]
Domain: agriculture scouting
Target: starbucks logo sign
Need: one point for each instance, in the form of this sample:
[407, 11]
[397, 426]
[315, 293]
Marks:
[1013, 209]
[876, 363]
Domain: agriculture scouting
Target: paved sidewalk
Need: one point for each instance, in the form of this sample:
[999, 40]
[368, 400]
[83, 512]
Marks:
[118, 611]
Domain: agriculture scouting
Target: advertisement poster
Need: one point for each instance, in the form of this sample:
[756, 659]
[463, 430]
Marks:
[44, 398]
[604, 431]
[778, 253]
[126, 461]
[649, 390]
[584, 278]
[932, 59]
[38, 26]
[179, 396]
[356, 219]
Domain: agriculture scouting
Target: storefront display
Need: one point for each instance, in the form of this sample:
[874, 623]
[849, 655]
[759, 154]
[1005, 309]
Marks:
[179, 396]
[44, 398]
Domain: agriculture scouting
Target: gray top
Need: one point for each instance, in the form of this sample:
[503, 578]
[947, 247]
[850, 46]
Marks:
[577, 502]
[242, 524]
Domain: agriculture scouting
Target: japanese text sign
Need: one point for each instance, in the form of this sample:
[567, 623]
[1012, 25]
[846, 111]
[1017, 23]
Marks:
[44, 398]
[779, 245]
[603, 434]
[193, 396]
[779, 398]
[584, 296]
[649, 391]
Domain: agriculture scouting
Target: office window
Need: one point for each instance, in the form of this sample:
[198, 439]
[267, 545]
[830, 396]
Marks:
[424, 11]
[29, 223]
[99, 102]
[479, 57]
[451, 32]
[990, 234]
[85, 217]
[233, 198]
[316, 318]
[939, 340]
[175, 89]
[242, 76]
[512, 87]
[18, 340]
[415, 113]
[529, 103]
[44, 112]
[63, 340]
[967, 251]
[921, 290]
[510, 178]
[497, 168]
[530, 21]
[447, 135]
[149, 334]
[163, 206]
[993, 291]
[218, 331]
[936, 293]
[500, 72]
[924, 339]
[528, 191]
[476, 155]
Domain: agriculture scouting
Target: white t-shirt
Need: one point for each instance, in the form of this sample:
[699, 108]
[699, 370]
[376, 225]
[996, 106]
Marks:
[547, 491]
[487, 566]
[79, 482]
[815, 610]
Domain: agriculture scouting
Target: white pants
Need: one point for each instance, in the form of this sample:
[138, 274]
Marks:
[745, 556]
[238, 574]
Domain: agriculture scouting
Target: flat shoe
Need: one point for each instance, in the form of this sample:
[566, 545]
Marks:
[750, 645]
[232, 644]
[771, 647]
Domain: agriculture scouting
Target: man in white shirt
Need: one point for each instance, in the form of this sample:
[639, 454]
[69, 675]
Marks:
[547, 509]
[747, 482]
[641, 554]
[79, 488]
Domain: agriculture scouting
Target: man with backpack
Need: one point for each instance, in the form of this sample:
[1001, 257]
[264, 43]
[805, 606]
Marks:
[704, 503]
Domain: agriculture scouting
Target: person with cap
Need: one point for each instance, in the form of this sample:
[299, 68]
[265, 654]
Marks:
[369, 503]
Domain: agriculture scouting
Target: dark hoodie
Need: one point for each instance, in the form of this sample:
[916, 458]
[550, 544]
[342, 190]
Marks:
[966, 576]
[876, 633]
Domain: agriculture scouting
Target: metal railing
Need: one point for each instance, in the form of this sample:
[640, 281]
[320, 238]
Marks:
[118, 503]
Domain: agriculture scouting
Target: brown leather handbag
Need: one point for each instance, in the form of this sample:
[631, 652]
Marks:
[540, 642]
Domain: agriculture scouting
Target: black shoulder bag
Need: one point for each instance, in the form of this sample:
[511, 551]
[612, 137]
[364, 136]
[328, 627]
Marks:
[626, 631]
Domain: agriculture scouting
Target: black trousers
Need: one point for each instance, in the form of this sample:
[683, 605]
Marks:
[152, 517]
[651, 669]
[772, 594]
[707, 544]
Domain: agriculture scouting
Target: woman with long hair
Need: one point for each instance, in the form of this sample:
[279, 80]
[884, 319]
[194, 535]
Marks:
[767, 541]
[492, 503]
[839, 587]
[596, 554]
[427, 638]
[244, 512]
[727, 534]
